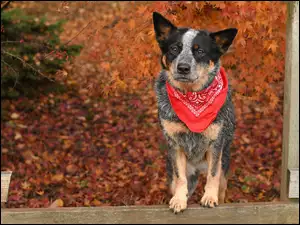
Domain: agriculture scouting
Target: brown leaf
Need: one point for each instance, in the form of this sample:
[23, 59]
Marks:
[71, 169]
[67, 144]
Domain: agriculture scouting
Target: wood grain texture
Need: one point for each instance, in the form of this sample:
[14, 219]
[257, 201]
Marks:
[249, 213]
[290, 148]
[5, 181]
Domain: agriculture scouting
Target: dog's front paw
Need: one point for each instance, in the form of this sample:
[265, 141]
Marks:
[209, 199]
[178, 203]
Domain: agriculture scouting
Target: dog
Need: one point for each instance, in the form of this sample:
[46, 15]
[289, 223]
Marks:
[195, 110]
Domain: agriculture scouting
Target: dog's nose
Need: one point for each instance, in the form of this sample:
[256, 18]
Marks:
[183, 68]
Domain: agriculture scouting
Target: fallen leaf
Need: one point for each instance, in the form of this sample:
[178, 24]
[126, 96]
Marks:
[57, 203]
[57, 177]
[41, 192]
[96, 202]
[15, 116]
[18, 136]
[26, 185]
[71, 169]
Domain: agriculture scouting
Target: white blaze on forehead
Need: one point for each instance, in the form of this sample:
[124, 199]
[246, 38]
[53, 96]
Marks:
[188, 38]
[186, 55]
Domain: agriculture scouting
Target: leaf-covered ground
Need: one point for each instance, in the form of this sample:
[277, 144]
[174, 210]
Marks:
[82, 149]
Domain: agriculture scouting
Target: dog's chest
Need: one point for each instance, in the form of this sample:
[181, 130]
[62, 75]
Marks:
[194, 144]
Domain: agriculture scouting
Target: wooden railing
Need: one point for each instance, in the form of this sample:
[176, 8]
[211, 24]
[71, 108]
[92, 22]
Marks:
[233, 213]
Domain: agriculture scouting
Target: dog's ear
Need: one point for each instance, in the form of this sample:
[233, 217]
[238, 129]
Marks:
[224, 38]
[163, 27]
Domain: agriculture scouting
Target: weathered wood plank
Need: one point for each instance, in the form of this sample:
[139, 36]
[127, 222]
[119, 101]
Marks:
[290, 149]
[228, 213]
[5, 181]
[294, 183]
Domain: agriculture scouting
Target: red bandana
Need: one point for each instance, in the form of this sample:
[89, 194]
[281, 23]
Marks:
[198, 109]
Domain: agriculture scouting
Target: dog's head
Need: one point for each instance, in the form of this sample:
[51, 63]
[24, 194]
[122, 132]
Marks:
[190, 56]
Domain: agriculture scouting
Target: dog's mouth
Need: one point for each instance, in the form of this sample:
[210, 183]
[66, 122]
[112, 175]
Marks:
[184, 79]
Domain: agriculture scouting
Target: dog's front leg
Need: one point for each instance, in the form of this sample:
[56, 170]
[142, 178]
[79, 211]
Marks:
[179, 186]
[214, 172]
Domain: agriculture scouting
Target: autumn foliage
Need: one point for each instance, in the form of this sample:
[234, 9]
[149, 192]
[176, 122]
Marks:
[254, 64]
[99, 143]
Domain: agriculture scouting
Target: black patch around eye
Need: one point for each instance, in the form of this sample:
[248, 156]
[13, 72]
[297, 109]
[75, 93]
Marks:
[174, 38]
[199, 52]
[175, 49]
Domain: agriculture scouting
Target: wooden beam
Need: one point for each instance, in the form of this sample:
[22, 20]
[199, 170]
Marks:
[290, 149]
[234, 213]
[5, 181]
[294, 183]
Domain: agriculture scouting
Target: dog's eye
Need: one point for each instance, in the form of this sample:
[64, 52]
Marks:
[200, 51]
[174, 49]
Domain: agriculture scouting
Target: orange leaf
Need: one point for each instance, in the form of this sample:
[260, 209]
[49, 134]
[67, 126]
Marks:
[105, 66]
[96, 202]
[57, 177]
[41, 192]
[142, 9]
[131, 24]
[273, 47]
[57, 203]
